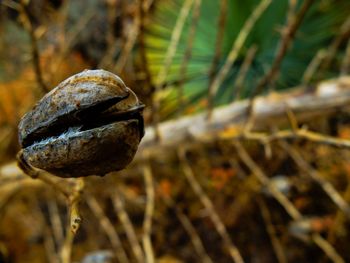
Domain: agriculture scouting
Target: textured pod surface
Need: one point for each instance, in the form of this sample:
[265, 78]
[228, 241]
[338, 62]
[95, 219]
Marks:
[89, 124]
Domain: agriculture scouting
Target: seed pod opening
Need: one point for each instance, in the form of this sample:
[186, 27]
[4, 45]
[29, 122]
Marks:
[90, 124]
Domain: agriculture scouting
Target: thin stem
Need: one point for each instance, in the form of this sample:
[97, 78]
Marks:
[287, 37]
[34, 46]
[207, 203]
[108, 228]
[188, 52]
[235, 49]
[147, 223]
[129, 229]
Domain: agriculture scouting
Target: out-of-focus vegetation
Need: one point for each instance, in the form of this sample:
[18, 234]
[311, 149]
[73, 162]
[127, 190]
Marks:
[259, 180]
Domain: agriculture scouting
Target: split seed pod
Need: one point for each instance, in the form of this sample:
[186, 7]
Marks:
[90, 124]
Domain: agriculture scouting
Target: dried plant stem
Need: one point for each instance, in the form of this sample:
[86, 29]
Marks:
[108, 228]
[188, 52]
[242, 73]
[190, 229]
[287, 37]
[57, 227]
[313, 66]
[34, 46]
[344, 34]
[218, 42]
[48, 237]
[264, 180]
[74, 221]
[164, 70]
[236, 48]
[43, 176]
[112, 43]
[129, 229]
[144, 64]
[128, 45]
[49, 245]
[66, 250]
[271, 230]
[345, 67]
[326, 186]
[340, 219]
[207, 203]
[147, 223]
[283, 200]
[298, 134]
[71, 37]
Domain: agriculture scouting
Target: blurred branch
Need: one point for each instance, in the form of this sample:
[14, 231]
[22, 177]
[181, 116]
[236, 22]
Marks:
[313, 66]
[127, 224]
[149, 210]
[24, 11]
[218, 42]
[242, 73]
[209, 206]
[343, 35]
[190, 229]
[285, 42]
[326, 186]
[107, 227]
[235, 49]
[284, 201]
[227, 121]
[56, 224]
[271, 230]
[142, 47]
[188, 52]
[345, 67]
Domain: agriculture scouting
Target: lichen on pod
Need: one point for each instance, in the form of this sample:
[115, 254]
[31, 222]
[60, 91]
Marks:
[90, 124]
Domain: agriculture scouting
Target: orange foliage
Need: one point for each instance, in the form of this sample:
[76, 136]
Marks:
[220, 177]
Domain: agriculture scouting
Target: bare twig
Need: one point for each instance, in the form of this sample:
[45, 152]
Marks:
[271, 230]
[49, 245]
[57, 228]
[34, 45]
[112, 43]
[298, 134]
[147, 223]
[107, 227]
[43, 176]
[128, 45]
[74, 221]
[74, 201]
[284, 201]
[188, 52]
[313, 66]
[242, 73]
[236, 48]
[345, 67]
[326, 186]
[218, 43]
[343, 35]
[264, 180]
[66, 249]
[285, 42]
[190, 229]
[129, 229]
[142, 47]
[325, 100]
[207, 203]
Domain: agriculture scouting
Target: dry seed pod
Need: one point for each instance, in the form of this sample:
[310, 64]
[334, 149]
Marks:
[90, 124]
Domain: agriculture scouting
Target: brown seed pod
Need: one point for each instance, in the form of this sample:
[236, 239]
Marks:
[90, 124]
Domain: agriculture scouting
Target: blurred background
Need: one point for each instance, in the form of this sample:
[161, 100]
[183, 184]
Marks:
[246, 152]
